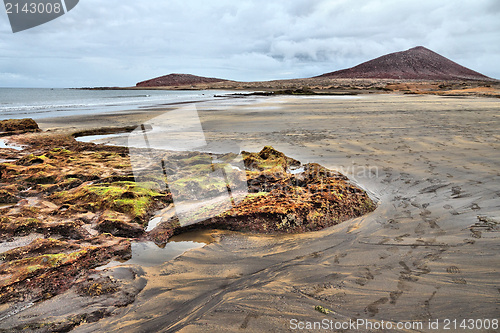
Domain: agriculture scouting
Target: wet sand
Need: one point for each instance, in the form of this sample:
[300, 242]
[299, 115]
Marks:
[430, 251]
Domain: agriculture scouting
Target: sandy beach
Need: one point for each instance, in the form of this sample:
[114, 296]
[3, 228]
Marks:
[428, 252]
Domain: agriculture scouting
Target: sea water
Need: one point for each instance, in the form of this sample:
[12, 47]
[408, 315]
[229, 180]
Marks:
[38, 103]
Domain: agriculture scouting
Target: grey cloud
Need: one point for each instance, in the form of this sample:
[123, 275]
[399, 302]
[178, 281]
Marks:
[120, 42]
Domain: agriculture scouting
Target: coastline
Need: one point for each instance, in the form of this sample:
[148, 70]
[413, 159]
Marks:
[408, 260]
[336, 86]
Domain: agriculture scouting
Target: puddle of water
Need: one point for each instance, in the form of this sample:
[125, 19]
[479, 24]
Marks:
[200, 236]
[297, 171]
[18, 242]
[150, 254]
[161, 215]
[117, 139]
[3, 144]
[153, 223]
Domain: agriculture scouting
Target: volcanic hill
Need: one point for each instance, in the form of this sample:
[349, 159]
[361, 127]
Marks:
[418, 63]
[177, 80]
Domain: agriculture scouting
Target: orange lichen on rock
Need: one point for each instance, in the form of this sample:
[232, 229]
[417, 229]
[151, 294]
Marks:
[281, 201]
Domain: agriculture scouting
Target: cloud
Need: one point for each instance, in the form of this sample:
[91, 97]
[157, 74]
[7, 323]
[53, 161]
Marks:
[121, 42]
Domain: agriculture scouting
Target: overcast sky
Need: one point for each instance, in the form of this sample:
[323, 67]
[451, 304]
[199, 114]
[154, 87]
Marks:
[121, 42]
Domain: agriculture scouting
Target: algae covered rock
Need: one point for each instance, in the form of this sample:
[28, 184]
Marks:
[18, 126]
[268, 158]
[119, 225]
[135, 201]
[48, 267]
[283, 197]
[7, 198]
[76, 205]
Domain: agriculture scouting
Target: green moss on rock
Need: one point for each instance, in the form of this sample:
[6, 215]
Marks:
[132, 198]
[19, 125]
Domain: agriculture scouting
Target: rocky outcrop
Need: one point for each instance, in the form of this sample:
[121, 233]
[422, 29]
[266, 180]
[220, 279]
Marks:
[284, 197]
[47, 267]
[178, 80]
[18, 126]
[78, 207]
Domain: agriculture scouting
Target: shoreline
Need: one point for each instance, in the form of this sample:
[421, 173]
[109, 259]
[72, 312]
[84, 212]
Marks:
[487, 88]
[126, 119]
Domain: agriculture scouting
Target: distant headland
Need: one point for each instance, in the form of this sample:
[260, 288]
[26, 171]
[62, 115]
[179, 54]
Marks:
[417, 70]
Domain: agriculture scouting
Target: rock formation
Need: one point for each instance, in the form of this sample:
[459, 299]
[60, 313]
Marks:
[172, 80]
[418, 63]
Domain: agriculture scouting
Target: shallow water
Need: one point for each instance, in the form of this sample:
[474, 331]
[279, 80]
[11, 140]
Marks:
[18, 241]
[297, 171]
[35, 103]
[153, 223]
[149, 254]
[3, 144]
[107, 139]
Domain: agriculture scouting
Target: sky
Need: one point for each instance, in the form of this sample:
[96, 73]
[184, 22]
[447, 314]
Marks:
[122, 42]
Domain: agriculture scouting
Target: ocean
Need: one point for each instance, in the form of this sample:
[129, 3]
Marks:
[38, 103]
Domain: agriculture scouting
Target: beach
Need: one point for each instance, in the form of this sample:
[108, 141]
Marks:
[428, 252]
